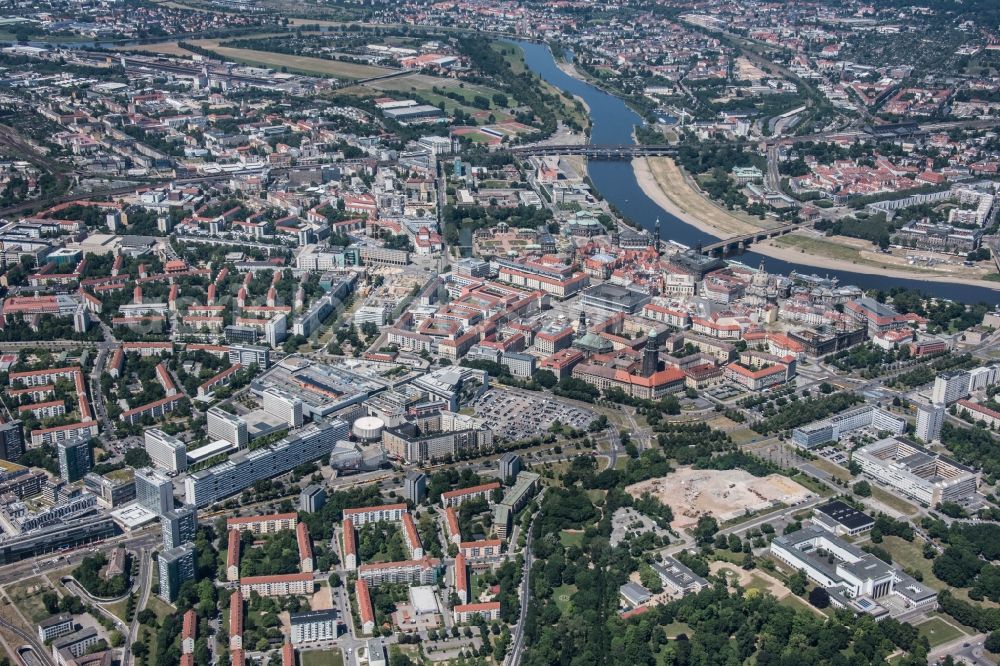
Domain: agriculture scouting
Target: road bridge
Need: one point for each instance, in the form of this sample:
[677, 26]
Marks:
[740, 243]
[594, 151]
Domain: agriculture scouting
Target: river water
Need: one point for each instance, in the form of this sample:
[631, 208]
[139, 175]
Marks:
[612, 122]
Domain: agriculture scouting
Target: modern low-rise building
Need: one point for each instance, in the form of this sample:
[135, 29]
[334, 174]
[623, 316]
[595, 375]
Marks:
[855, 579]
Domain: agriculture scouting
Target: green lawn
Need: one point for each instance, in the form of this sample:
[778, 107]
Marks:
[332, 657]
[562, 596]
[938, 631]
[160, 607]
[27, 594]
[674, 629]
[793, 601]
[894, 501]
[568, 538]
[118, 609]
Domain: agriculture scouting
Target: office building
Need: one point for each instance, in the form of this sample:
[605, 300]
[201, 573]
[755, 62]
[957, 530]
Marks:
[176, 566]
[913, 471]
[832, 429]
[282, 405]
[930, 418]
[228, 427]
[855, 579]
[54, 627]
[510, 466]
[314, 626]
[112, 489]
[179, 526]
[154, 490]
[312, 442]
[247, 355]
[11, 440]
[167, 452]
[312, 498]
[950, 387]
[375, 651]
[67, 649]
[415, 487]
[75, 459]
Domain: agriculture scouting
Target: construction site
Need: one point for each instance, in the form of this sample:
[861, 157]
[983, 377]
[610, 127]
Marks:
[725, 495]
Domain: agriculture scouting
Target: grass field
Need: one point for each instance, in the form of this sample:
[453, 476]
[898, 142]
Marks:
[568, 538]
[938, 631]
[829, 467]
[675, 629]
[562, 596]
[910, 556]
[793, 601]
[159, 606]
[515, 58]
[118, 609]
[332, 657]
[296, 64]
[27, 594]
[894, 501]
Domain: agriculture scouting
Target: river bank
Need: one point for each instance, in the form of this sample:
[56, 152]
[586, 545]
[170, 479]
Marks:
[798, 256]
[663, 182]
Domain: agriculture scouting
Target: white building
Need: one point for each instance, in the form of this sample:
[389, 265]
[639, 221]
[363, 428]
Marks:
[930, 418]
[832, 429]
[230, 427]
[247, 355]
[949, 387]
[283, 405]
[854, 578]
[245, 468]
[154, 490]
[167, 452]
[915, 472]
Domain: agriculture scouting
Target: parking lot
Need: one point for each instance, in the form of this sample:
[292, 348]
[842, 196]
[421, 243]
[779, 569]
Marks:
[515, 415]
[834, 455]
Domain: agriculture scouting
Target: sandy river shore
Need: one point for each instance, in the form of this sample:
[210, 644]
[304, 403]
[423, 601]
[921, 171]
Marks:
[663, 182]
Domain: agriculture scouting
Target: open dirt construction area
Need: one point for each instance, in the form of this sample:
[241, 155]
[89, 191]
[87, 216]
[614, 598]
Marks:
[691, 493]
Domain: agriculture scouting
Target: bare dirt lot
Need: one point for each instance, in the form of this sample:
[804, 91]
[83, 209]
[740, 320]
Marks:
[725, 495]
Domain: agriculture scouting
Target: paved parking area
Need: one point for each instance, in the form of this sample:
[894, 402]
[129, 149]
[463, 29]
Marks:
[515, 415]
[834, 455]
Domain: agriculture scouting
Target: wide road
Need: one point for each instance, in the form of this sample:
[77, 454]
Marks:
[518, 648]
[145, 586]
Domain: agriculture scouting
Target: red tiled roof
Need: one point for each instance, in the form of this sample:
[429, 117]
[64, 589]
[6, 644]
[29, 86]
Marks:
[350, 548]
[471, 490]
